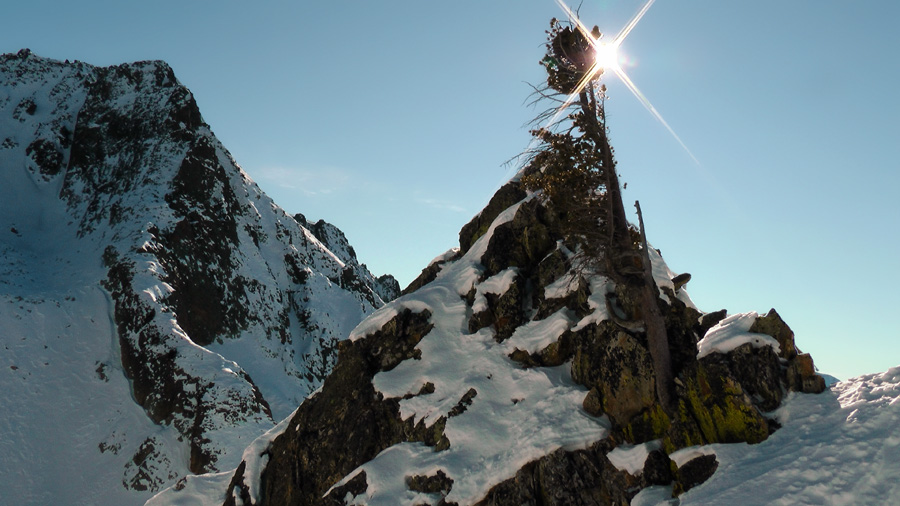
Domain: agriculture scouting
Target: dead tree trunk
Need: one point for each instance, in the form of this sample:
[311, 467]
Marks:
[657, 337]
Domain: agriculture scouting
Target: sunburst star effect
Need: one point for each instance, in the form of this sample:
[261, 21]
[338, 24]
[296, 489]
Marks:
[608, 62]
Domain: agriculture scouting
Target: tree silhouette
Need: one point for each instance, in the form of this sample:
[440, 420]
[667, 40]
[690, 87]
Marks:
[575, 168]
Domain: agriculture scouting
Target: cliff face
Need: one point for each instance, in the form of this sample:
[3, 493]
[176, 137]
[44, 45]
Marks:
[509, 373]
[221, 311]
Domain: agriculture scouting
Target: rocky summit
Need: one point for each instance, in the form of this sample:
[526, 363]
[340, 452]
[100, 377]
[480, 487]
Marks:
[511, 373]
[158, 311]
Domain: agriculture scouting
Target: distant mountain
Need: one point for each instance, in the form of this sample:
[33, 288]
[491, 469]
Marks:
[158, 311]
[510, 374]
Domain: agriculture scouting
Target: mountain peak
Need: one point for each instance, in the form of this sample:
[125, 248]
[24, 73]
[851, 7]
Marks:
[222, 312]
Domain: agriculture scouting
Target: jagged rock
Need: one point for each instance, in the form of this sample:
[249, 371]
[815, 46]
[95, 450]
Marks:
[506, 196]
[759, 372]
[592, 403]
[463, 403]
[714, 407]
[720, 398]
[46, 156]
[710, 320]
[773, 325]
[552, 267]
[801, 372]
[356, 486]
[576, 299]
[684, 329]
[522, 242]
[388, 288]
[429, 273]
[505, 312]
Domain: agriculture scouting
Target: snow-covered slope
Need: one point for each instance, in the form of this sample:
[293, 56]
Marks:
[157, 311]
[841, 447]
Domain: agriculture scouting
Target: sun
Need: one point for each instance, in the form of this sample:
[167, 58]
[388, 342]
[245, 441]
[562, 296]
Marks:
[606, 56]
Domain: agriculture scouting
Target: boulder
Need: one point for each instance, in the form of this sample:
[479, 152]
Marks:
[694, 472]
[802, 377]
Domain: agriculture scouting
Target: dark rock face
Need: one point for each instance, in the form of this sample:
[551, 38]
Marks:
[618, 368]
[505, 312]
[523, 242]
[438, 483]
[505, 197]
[695, 471]
[166, 388]
[657, 469]
[582, 477]
[801, 373]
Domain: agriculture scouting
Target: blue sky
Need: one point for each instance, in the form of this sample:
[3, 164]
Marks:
[393, 121]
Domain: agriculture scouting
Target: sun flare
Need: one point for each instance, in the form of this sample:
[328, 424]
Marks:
[606, 56]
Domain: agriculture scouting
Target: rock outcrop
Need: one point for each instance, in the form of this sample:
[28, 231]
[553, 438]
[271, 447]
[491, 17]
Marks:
[465, 362]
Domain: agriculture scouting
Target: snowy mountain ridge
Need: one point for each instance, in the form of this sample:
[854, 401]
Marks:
[158, 310]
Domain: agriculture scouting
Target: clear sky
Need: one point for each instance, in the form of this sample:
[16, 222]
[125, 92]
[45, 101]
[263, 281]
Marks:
[393, 121]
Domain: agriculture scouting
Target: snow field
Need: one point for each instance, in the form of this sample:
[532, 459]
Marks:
[840, 447]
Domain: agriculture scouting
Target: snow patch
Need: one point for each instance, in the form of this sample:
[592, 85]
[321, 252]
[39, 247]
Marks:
[733, 332]
[630, 458]
[599, 286]
[381, 317]
[536, 335]
[566, 284]
[444, 257]
[685, 455]
[497, 284]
